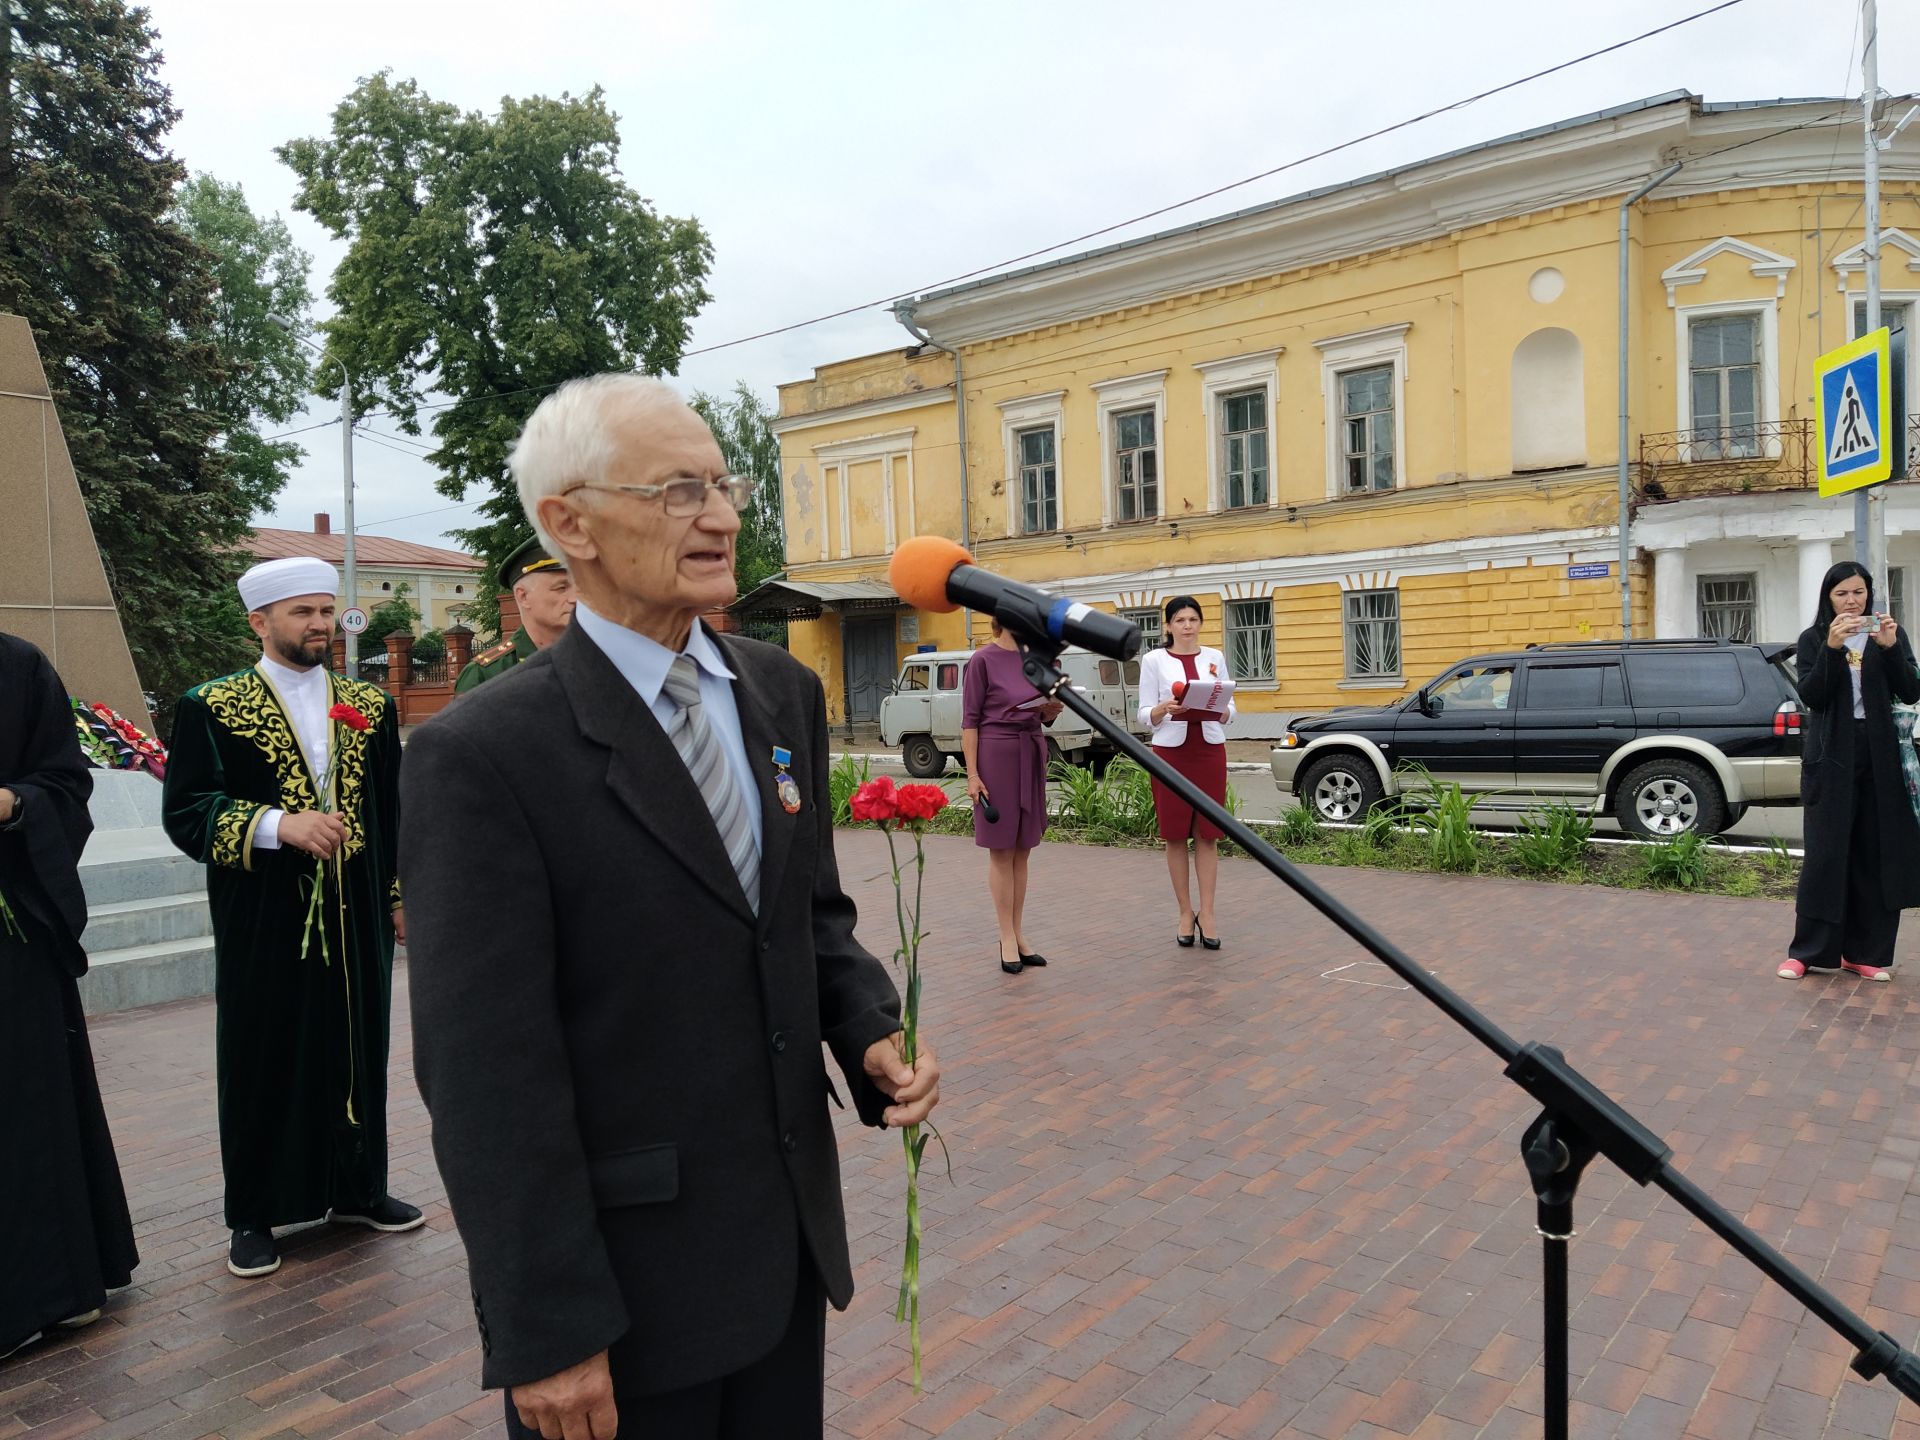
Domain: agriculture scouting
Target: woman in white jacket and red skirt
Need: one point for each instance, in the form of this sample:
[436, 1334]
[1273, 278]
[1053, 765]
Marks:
[1194, 742]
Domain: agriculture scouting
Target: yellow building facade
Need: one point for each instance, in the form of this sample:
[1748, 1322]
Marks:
[1374, 429]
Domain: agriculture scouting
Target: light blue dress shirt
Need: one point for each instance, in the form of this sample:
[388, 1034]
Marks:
[644, 662]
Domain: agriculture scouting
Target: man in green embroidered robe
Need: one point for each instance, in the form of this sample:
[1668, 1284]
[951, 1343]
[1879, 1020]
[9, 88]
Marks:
[283, 782]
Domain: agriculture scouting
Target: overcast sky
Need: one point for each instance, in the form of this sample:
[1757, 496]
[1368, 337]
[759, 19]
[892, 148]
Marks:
[841, 153]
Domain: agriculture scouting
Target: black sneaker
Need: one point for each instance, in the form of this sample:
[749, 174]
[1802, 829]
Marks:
[252, 1253]
[386, 1213]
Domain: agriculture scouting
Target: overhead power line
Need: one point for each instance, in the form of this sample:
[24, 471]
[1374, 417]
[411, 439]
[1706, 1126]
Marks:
[1117, 225]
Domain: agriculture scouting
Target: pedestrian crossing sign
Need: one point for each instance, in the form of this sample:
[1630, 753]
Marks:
[1855, 385]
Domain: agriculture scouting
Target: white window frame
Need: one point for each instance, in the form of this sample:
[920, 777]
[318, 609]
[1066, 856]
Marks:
[1114, 397]
[1363, 350]
[1030, 412]
[1768, 416]
[1700, 583]
[1258, 370]
[1348, 676]
[1150, 620]
[1228, 630]
[892, 448]
[1911, 299]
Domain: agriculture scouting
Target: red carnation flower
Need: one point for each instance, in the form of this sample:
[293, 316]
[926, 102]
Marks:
[920, 802]
[876, 800]
[350, 717]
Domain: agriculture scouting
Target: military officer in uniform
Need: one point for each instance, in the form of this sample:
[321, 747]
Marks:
[544, 592]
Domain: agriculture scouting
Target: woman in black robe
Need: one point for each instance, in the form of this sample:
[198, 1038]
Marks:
[1862, 865]
[65, 1236]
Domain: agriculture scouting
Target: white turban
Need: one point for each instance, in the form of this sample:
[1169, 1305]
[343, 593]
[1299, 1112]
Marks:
[273, 580]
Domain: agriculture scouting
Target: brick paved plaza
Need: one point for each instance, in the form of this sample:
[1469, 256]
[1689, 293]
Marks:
[1260, 1192]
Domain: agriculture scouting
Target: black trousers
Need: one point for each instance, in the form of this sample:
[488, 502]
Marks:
[780, 1394]
[1867, 932]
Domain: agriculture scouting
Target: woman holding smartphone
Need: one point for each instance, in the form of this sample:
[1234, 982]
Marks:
[1862, 864]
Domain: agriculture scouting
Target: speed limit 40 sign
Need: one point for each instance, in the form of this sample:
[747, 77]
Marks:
[353, 621]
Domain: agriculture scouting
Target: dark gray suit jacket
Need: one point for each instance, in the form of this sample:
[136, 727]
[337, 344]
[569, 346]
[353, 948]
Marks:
[622, 1064]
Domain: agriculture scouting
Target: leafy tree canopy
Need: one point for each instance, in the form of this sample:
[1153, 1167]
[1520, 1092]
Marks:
[490, 259]
[743, 426]
[258, 272]
[127, 310]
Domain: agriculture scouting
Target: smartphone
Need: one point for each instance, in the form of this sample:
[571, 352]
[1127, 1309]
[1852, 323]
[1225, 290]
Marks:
[1869, 625]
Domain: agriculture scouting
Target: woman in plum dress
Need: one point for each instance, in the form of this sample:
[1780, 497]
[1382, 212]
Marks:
[1006, 753]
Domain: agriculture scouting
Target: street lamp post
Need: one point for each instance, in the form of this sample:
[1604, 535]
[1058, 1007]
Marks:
[346, 470]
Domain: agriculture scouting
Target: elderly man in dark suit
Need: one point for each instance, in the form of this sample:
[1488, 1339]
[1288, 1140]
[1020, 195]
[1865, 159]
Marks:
[619, 1009]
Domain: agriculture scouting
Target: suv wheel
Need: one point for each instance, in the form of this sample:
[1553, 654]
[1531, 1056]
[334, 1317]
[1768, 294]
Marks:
[923, 759]
[1341, 789]
[1666, 798]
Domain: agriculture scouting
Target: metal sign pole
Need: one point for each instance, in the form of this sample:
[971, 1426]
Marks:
[1870, 505]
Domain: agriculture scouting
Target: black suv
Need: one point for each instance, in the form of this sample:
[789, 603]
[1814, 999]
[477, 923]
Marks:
[1667, 735]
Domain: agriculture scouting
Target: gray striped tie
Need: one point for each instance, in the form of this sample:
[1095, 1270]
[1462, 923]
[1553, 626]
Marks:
[706, 761]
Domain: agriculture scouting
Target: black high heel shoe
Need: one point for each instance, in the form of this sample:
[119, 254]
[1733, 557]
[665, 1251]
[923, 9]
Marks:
[1185, 942]
[1212, 942]
[1011, 967]
[1034, 961]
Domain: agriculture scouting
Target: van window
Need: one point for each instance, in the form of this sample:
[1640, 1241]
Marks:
[950, 675]
[1133, 672]
[1109, 672]
[914, 677]
[1669, 679]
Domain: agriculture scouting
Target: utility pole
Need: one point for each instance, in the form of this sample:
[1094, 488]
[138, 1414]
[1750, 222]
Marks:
[346, 465]
[1870, 504]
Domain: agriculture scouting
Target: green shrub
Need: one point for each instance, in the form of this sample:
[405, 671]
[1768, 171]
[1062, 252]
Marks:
[1441, 814]
[1118, 803]
[1679, 864]
[1300, 826]
[1377, 830]
[1553, 840]
[842, 780]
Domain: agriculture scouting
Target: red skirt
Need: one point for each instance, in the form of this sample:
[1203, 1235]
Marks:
[1205, 764]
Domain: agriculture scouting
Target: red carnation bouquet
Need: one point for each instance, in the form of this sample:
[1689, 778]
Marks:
[907, 807]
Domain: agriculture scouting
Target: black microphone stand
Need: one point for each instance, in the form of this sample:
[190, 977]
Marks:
[1577, 1121]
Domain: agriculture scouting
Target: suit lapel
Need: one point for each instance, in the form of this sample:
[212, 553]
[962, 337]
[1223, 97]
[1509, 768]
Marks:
[644, 771]
[762, 728]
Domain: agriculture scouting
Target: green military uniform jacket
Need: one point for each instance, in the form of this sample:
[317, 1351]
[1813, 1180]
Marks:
[494, 662]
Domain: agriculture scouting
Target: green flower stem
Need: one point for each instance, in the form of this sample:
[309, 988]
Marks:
[6, 918]
[912, 1141]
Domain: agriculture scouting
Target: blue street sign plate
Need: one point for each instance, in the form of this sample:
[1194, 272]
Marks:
[1855, 386]
[1589, 572]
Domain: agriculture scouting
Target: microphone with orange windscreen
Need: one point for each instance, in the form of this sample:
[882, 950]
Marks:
[931, 572]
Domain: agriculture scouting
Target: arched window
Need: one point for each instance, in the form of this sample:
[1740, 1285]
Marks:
[1549, 402]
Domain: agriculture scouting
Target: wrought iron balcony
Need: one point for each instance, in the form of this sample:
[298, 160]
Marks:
[1690, 464]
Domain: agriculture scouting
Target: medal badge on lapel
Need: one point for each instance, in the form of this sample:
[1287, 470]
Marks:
[784, 782]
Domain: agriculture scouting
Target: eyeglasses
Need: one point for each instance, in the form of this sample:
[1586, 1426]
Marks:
[682, 498]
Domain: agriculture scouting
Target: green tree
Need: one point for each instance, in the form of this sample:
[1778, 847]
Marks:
[743, 426]
[489, 259]
[121, 301]
[258, 272]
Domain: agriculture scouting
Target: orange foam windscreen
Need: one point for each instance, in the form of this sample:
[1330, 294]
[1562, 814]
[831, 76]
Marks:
[920, 569]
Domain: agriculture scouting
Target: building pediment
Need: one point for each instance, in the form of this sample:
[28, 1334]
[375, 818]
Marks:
[1760, 260]
[1893, 245]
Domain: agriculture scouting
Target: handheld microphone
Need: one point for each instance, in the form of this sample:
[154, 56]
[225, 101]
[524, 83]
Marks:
[988, 809]
[931, 572]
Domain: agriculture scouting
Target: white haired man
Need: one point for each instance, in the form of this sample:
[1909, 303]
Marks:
[284, 782]
[621, 1054]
